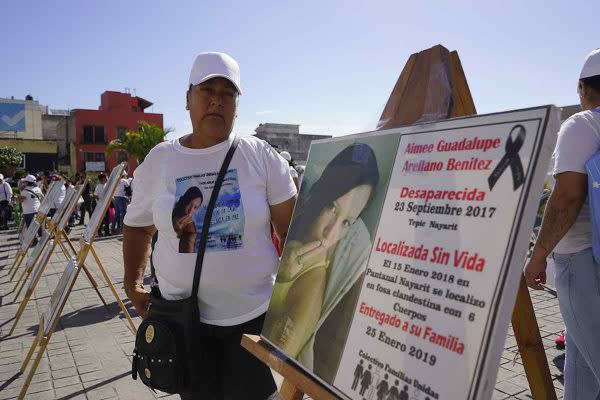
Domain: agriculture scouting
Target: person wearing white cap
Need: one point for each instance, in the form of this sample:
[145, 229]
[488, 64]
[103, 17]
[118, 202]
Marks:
[30, 198]
[288, 157]
[566, 235]
[170, 195]
[6, 194]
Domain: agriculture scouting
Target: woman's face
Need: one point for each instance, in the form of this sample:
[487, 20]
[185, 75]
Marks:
[193, 206]
[336, 218]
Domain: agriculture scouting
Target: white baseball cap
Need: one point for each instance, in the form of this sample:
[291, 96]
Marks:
[215, 65]
[286, 156]
[591, 65]
[30, 179]
[1, 176]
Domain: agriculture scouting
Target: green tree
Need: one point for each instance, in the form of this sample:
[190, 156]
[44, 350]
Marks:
[10, 158]
[139, 143]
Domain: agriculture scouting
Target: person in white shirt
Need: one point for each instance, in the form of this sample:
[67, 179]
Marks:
[59, 199]
[120, 202]
[566, 234]
[288, 157]
[170, 193]
[6, 194]
[30, 198]
[99, 195]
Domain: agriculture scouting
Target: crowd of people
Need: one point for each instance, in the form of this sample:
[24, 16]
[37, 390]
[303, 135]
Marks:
[21, 196]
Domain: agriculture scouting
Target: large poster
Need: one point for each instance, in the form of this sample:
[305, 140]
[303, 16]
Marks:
[438, 283]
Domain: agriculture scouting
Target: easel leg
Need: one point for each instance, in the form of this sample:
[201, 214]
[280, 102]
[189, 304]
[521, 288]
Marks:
[112, 288]
[289, 392]
[21, 281]
[27, 275]
[20, 312]
[531, 347]
[33, 369]
[85, 269]
[16, 266]
[17, 256]
[30, 353]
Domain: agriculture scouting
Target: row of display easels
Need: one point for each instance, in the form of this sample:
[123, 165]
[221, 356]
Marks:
[421, 94]
[55, 236]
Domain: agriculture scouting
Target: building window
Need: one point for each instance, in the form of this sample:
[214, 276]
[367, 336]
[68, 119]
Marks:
[88, 134]
[91, 157]
[99, 134]
[122, 156]
[121, 131]
[133, 108]
[93, 134]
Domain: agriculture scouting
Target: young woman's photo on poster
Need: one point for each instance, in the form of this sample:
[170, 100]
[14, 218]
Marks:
[327, 248]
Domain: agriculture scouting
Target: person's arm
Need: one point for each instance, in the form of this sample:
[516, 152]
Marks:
[302, 310]
[569, 194]
[281, 215]
[136, 250]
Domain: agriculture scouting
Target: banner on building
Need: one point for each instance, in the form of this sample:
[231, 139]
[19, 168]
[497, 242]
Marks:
[405, 252]
[12, 117]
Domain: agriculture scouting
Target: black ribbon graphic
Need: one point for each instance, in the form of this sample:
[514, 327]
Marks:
[511, 158]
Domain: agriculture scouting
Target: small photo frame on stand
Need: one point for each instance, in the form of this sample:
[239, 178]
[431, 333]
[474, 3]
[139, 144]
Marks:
[60, 294]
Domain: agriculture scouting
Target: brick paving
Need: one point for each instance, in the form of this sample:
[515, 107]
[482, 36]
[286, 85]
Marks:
[89, 356]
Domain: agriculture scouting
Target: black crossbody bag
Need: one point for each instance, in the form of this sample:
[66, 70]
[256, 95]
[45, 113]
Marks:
[169, 352]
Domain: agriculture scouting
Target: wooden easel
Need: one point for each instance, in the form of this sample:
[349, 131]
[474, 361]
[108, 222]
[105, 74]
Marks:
[43, 336]
[39, 221]
[58, 235]
[432, 86]
[86, 246]
[87, 240]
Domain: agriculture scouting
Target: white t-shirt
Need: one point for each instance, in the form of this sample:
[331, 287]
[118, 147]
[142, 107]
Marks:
[578, 140]
[33, 195]
[240, 261]
[120, 192]
[61, 197]
[5, 191]
[99, 191]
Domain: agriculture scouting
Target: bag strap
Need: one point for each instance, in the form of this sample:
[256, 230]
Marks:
[208, 216]
[33, 193]
[206, 225]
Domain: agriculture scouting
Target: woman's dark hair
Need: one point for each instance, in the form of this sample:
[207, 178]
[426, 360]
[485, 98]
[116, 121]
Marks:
[354, 166]
[192, 193]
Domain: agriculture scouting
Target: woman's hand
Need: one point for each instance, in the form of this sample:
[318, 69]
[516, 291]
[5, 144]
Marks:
[140, 298]
[298, 257]
[183, 222]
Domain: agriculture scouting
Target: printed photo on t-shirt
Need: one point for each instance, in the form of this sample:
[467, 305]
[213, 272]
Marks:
[192, 194]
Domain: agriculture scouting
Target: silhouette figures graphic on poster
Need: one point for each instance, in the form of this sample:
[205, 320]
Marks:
[393, 393]
[383, 388]
[358, 372]
[365, 381]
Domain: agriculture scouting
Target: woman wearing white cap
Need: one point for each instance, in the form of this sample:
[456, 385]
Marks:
[566, 235]
[30, 198]
[239, 267]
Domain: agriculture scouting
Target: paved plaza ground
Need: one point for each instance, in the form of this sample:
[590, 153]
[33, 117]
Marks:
[89, 356]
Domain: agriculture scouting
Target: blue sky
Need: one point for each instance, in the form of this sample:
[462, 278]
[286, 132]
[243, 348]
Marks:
[326, 65]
